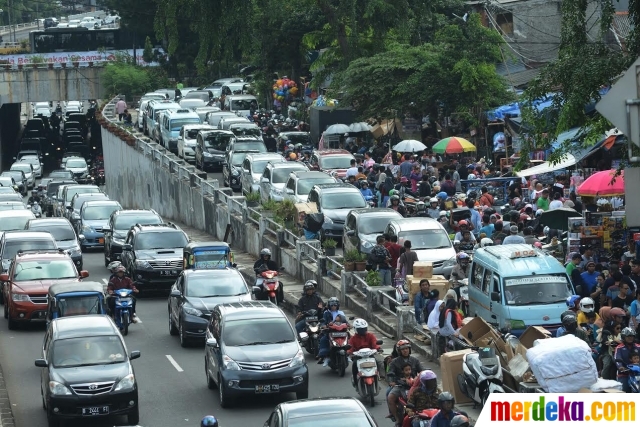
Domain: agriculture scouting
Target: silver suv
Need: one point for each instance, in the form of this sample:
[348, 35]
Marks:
[300, 184]
[274, 178]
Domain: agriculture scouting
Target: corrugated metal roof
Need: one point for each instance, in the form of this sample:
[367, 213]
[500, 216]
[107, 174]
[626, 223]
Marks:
[523, 77]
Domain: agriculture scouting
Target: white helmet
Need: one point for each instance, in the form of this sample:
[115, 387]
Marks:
[486, 242]
[584, 302]
[360, 324]
[265, 251]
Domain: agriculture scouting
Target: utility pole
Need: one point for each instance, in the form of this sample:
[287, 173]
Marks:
[9, 12]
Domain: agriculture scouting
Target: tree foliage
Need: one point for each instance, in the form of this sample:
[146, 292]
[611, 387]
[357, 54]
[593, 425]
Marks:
[122, 77]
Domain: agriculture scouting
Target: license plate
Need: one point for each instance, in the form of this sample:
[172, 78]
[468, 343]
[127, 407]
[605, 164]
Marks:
[339, 334]
[95, 410]
[168, 272]
[101, 241]
[311, 319]
[273, 388]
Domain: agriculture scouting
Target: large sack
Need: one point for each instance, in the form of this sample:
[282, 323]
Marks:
[562, 365]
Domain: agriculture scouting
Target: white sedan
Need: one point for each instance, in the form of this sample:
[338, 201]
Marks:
[27, 169]
[35, 164]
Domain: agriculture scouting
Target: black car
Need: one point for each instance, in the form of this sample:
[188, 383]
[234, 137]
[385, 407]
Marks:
[194, 295]
[335, 411]
[152, 255]
[50, 22]
[87, 371]
[63, 233]
[231, 168]
[119, 225]
[251, 349]
[50, 198]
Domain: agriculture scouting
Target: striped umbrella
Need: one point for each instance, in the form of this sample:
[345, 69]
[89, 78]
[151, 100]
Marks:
[453, 145]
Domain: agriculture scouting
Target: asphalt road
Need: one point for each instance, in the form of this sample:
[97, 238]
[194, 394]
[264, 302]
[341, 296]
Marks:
[173, 390]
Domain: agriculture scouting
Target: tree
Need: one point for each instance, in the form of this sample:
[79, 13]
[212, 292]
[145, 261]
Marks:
[122, 77]
[147, 53]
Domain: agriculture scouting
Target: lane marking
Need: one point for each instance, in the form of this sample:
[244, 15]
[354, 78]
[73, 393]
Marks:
[105, 281]
[174, 363]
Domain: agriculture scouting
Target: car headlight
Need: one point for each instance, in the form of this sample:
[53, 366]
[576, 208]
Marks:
[20, 297]
[126, 383]
[207, 154]
[58, 389]
[328, 220]
[367, 244]
[88, 229]
[117, 240]
[140, 263]
[298, 360]
[75, 252]
[448, 263]
[192, 311]
[229, 363]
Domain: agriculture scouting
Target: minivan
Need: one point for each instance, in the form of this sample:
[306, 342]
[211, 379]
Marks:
[154, 107]
[240, 104]
[211, 147]
[428, 239]
[363, 226]
[214, 117]
[172, 122]
[517, 286]
[335, 201]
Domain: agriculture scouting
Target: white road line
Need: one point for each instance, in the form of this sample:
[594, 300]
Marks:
[105, 281]
[174, 363]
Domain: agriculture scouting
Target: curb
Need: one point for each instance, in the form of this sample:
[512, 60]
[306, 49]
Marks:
[6, 413]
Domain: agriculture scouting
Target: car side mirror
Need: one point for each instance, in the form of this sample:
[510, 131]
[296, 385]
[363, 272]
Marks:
[255, 290]
[80, 236]
[175, 293]
[495, 296]
[4, 277]
[84, 274]
[126, 247]
[135, 354]
[351, 233]
[41, 363]
[212, 342]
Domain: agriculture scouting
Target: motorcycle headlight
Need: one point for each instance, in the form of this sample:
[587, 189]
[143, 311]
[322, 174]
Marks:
[20, 297]
[298, 360]
[140, 263]
[126, 383]
[58, 389]
[192, 311]
[230, 364]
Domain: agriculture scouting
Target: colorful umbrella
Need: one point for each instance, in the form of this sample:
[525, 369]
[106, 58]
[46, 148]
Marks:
[599, 185]
[453, 145]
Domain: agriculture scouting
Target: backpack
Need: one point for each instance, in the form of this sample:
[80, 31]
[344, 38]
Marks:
[387, 185]
[378, 255]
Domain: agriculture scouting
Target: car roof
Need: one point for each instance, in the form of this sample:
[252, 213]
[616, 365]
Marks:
[325, 405]
[422, 223]
[333, 187]
[100, 203]
[265, 156]
[214, 274]
[282, 165]
[203, 126]
[375, 212]
[82, 326]
[500, 259]
[26, 212]
[216, 130]
[245, 96]
[83, 286]
[26, 234]
[135, 212]
[43, 254]
[311, 174]
[49, 221]
[332, 152]
[249, 309]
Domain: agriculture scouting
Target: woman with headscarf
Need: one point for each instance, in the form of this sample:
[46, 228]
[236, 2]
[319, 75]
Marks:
[449, 322]
[380, 186]
[608, 337]
[433, 325]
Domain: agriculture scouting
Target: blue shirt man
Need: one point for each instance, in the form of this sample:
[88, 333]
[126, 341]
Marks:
[406, 167]
[366, 192]
[590, 276]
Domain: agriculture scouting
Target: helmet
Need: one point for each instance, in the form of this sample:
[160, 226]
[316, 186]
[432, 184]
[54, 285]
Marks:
[628, 332]
[309, 284]
[546, 230]
[120, 269]
[298, 146]
[442, 195]
[395, 198]
[570, 321]
[34, 191]
[463, 222]
[443, 213]
[537, 245]
[446, 397]
[565, 314]
[264, 252]
[586, 305]
[113, 265]
[360, 326]
[486, 242]
[462, 256]
[571, 301]
[617, 312]
[420, 206]
[392, 193]
[208, 421]
[427, 375]
[402, 344]
[333, 301]
[459, 421]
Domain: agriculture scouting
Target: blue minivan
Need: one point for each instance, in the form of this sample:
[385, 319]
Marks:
[517, 286]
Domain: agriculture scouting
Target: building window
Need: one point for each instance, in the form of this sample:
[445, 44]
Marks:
[505, 22]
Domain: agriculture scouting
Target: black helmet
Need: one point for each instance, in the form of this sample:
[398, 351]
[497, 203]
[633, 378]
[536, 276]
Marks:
[209, 421]
[459, 421]
[565, 314]
[309, 284]
[569, 320]
[445, 396]
[333, 301]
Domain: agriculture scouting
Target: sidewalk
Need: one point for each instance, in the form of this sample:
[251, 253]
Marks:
[293, 292]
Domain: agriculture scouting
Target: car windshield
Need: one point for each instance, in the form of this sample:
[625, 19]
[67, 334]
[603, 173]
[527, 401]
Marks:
[238, 158]
[17, 175]
[177, 124]
[52, 188]
[340, 419]
[31, 160]
[243, 104]
[373, 224]
[99, 212]
[259, 165]
[14, 222]
[161, 240]
[80, 199]
[305, 185]
[217, 141]
[198, 95]
[44, 270]
[88, 351]
[76, 163]
[11, 247]
[205, 287]
[245, 131]
[125, 222]
[298, 139]
[6, 181]
[534, 290]
[281, 175]
[335, 162]
[210, 258]
[344, 200]
[73, 191]
[425, 239]
[78, 306]
[257, 331]
[61, 174]
[252, 146]
[26, 168]
[59, 232]
[192, 133]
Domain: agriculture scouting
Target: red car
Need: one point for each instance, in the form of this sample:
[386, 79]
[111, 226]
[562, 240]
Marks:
[331, 161]
[28, 280]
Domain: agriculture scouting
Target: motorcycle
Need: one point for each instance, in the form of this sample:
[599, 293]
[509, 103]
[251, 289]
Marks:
[425, 416]
[634, 376]
[481, 375]
[268, 283]
[311, 328]
[338, 346]
[36, 210]
[123, 315]
[368, 377]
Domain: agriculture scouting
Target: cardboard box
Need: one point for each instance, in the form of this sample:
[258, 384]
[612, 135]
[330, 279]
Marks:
[474, 330]
[423, 269]
[302, 209]
[451, 367]
[533, 333]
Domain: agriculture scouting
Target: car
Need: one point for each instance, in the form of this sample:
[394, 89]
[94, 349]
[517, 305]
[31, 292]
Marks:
[211, 146]
[171, 125]
[240, 104]
[152, 254]
[8, 196]
[14, 219]
[42, 112]
[335, 201]
[28, 153]
[203, 112]
[8, 182]
[11, 242]
[231, 168]
[204, 95]
[49, 22]
[363, 226]
[250, 130]
[187, 140]
[78, 166]
[35, 164]
[27, 283]
[51, 195]
[142, 107]
[154, 108]
[332, 410]
[119, 225]
[216, 87]
[274, 178]
[87, 371]
[61, 174]
[247, 143]
[7, 190]
[214, 117]
[227, 121]
[329, 161]
[73, 213]
[69, 191]
[192, 103]
[73, 107]
[12, 206]
[251, 348]
[27, 170]
[300, 183]
[252, 168]
[94, 216]
[63, 233]
[195, 294]
[294, 138]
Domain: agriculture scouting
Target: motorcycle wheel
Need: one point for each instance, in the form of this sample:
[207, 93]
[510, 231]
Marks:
[125, 323]
[371, 396]
[341, 367]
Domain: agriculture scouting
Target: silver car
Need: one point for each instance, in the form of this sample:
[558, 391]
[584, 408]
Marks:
[27, 169]
[252, 168]
[300, 184]
[35, 163]
[274, 178]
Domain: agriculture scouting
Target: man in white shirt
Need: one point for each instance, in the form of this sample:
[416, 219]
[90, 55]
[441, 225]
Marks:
[557, 202]
[353, 170]
[513, 239]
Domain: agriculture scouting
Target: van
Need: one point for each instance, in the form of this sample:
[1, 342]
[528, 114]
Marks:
[172, 122]
[211, 146]
[154, 107]
[240, 104]
[428, 239]
[214, 117]
[517, 286]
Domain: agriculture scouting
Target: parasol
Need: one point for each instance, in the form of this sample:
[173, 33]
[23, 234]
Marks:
[599, 184]
[337, 129]
[557, 219]
[453, 145]
[359, 127]
[409, 146]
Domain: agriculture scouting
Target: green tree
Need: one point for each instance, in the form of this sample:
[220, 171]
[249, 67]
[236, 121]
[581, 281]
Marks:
[122, 77]
[147, 53]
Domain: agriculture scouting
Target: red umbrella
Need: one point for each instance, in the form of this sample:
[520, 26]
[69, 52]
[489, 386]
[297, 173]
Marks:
[600, 184]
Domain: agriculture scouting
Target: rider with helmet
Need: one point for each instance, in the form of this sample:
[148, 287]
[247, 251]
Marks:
[434, 210]
[403, 347]
[622, 356]
[463, 225]
[460, 421]
[266, 263]
[209, 421]
[570, 325]
[120, 281]
[34, 198]
[113, 266]
[445, 417]
[461, 270]
[423, 395]
[587, 305]
[309, 301]
[394, 203]
[331, 315]
[362, 339]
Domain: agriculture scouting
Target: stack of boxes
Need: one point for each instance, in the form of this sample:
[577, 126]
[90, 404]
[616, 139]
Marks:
[424, 270]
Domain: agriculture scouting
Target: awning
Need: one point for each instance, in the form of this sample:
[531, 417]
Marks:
[568, 160]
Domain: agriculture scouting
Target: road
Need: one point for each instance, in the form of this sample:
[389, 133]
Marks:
[170, 394]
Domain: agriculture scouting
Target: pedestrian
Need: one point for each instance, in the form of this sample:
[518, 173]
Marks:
[379, 257]
[514, 238]
[121, 106]
[407, 259]
[421, 301]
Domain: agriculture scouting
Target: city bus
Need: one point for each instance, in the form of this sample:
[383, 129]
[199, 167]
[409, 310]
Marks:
[78, 39]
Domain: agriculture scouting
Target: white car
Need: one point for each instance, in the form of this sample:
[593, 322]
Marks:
[275, 177]
[42, 111]
[187, 140]
[142, 108]
[35, 163]
[78, 166]
[27, 169]
[73, 107]
[252, 169]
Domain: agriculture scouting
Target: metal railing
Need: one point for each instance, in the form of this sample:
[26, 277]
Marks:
[253, 214]
[309, 252]
[271, 227]
[290, 238]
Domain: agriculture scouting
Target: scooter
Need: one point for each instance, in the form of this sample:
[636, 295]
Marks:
[368, 377]
[634, 376]
[36, 210]
[123, 315]
[425, 416]
[481, 375]
[269, 284]
[338, 346]
[311, 328]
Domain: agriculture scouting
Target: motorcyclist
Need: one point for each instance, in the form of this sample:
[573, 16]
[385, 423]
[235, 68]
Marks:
[622, 356]
[366, 191]
[209, 421]
[394, 203]
[484, 242]
[113, 266]
[34, 197]
[445, 417]
[434, 209]
[395, 373]
[423, 395]
[362, 339]
[570, 324]
[120, 281]
[330, 316]
[58, 108]
[36, 209]
[460, 421]
[461, 269]
[266, 263]
[466, 244]
[421, 210]
[309, 301]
